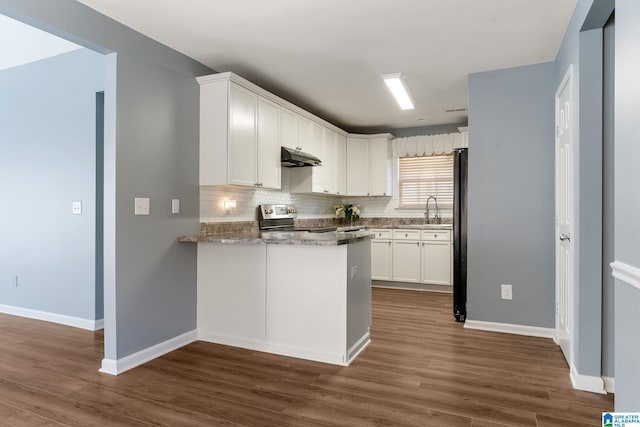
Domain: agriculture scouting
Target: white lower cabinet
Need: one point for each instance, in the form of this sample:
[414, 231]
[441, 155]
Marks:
[411, 255]
[312, 302]
[436, 257]
[406, 261]
[381, 259]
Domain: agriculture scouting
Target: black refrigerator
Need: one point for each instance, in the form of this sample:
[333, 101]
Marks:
[460, 162]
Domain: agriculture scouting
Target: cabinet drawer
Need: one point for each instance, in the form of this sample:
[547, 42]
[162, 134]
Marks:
[400, 234]
[382, 234]
[444, 235]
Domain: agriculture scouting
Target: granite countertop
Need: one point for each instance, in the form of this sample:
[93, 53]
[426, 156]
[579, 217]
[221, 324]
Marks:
[416, 226]
[252, 237]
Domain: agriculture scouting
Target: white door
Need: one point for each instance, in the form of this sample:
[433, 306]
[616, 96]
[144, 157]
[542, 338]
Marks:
[564, 327]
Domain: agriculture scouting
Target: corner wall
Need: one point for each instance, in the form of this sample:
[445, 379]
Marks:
[511, 195]
[151, 150]
[627, 206]
[47, 161]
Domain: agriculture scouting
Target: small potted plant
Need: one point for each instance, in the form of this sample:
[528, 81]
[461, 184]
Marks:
[351, 212]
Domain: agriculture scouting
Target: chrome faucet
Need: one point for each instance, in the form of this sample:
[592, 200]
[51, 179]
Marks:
[426, 211]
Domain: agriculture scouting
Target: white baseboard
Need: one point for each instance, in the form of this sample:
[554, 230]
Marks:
[99, 324]
[117, 367]
[586, 382]
[358, 347]
[334, 358]
[509, 328]
[609, 384]
[76, 322]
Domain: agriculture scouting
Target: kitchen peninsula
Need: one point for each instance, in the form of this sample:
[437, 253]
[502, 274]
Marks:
[295, 293]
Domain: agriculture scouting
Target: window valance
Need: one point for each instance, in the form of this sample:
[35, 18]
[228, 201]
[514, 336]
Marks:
[429, 145]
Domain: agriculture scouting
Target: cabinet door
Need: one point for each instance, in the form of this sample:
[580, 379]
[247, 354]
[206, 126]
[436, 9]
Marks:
[379, 167]
[314, 147]
[381, 260]
[303, 129]
[406, 261]
[268, 144]
[358, 163]
[328, 169]
[288, 128]
[243, 153]
[341, 164]
[436, 263]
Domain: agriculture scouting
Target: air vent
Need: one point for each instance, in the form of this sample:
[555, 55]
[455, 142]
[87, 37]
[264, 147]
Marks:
[455, 110]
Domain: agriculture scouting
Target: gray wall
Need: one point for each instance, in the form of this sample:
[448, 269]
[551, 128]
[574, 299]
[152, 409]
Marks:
[511, 195]
[151, 150]
[627, 202]
[47, 160]
[608, 203]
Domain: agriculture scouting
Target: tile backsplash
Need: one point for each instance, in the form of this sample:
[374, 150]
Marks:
[309, 205]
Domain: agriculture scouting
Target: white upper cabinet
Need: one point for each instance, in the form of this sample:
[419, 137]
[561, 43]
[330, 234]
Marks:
[380, 182]
[288, 128]
[303, 128]
[368, 165]
[341, 164]
[329, 169]
[320, 179]
[242, 130]
[268, 144]
[239, 135]
[243, 155]
[358, 165]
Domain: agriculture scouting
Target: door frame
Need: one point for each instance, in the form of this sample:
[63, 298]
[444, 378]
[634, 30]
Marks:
[567, 81]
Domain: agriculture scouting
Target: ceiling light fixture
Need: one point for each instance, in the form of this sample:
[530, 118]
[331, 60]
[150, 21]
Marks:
[398, 87]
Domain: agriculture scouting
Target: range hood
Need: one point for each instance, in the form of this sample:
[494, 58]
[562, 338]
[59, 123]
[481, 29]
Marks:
[291, 158]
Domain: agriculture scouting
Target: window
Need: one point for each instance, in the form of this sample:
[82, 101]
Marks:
[421, 177]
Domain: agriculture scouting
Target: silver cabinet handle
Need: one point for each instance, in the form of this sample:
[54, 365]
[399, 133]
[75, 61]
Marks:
[564, 237]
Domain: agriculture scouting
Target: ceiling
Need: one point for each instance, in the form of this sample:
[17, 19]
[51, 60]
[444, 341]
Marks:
[21, 44]
[327, 55]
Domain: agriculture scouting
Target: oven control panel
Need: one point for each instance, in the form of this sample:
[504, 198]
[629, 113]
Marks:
[277, 211]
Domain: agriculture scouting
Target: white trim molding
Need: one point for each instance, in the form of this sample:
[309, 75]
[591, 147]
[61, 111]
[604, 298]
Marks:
[609, 384]
[117, 367]
[62, 319]
[586, 382]
[509, 328]
[627, 273]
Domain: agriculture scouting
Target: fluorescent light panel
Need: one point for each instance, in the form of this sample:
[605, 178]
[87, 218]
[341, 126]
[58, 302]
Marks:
[398, 87]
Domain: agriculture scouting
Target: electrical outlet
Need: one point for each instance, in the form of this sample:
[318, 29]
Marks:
[141, 206]
[506, 291]
[14, 282]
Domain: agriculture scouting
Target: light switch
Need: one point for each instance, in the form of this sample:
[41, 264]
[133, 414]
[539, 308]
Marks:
[76, 208]
[175, 206]
[142, 206]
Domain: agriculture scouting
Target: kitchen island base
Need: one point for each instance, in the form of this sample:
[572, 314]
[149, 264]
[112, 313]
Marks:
[306, 301]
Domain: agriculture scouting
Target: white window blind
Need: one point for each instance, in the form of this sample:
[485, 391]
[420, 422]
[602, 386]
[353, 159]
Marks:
[421, 177]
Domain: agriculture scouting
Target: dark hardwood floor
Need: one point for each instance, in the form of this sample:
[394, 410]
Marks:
[421, 369]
